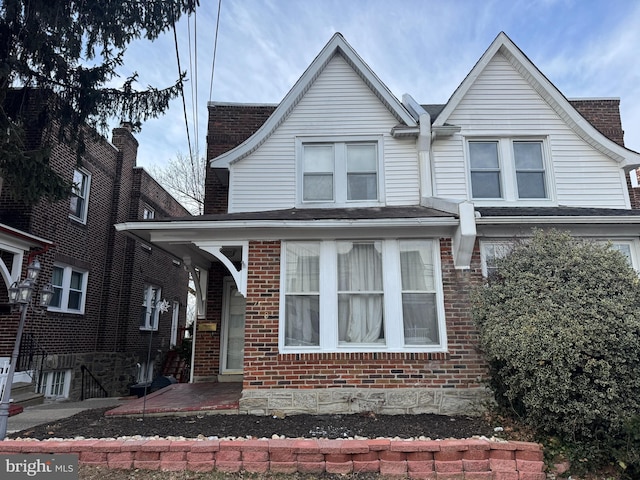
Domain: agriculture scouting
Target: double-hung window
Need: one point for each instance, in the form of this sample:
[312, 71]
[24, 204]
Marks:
[508, 169]
[69, 289]
[149, 313]
[79, 201]
[148, 213]
[340, 172]
[492, 250]
[364, 295]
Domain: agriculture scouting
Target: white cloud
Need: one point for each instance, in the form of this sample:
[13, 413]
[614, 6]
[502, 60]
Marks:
[587, 48]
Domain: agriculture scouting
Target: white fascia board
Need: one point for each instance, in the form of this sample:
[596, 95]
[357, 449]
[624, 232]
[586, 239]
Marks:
[337, 44]
[560, 220]
[627, 159]
[166, 233]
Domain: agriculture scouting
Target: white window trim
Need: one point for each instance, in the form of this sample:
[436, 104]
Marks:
[85, 211]
[634, 248]
[66, 287]
[339, 177]
[483, 251]
[47, 384]
[508, 179]
[155, 321]
[148, 213]
[392, 288]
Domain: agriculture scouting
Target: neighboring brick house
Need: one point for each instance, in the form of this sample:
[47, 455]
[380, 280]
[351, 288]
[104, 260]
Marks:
[107, 284]
[344, 229]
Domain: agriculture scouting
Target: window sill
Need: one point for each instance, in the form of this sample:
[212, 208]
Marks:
[65, 312]
[145, 329]
[77, 220]
[366, 349]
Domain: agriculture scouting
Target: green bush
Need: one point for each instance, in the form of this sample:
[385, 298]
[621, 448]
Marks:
[559, 323]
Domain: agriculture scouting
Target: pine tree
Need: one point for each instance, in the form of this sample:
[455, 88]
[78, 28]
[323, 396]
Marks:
[62, 55]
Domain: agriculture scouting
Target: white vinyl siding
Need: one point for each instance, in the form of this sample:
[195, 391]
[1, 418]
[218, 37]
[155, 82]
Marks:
[338, 104]
[501, 103]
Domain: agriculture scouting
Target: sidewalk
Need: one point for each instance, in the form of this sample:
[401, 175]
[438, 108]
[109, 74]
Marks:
[49, 412]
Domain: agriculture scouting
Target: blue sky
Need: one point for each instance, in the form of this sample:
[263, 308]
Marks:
[587, 48]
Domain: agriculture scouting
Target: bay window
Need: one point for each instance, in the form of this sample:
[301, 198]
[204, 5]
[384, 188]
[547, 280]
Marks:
[364, 295]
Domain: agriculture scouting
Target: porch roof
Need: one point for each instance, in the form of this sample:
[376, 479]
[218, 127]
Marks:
[200, 241]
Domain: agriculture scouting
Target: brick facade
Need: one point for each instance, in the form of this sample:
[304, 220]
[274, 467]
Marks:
[106, 337]
[385, 382]
[461, 368]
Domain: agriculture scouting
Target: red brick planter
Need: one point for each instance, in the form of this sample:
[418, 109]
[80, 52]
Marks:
[473, 459]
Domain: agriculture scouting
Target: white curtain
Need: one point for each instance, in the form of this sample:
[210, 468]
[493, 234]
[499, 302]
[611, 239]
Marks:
[302, 299]
[360, 306]
[418, 293]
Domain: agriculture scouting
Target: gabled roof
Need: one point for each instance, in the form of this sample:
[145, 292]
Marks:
[337, 45]
[503, 44]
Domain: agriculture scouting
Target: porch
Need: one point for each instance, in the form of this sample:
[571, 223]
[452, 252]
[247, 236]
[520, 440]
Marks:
[185, 399]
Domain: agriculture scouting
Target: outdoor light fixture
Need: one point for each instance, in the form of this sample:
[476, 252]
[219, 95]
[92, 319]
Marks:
[46, 295]
[20, 294]
[13, 293]
[33, 270]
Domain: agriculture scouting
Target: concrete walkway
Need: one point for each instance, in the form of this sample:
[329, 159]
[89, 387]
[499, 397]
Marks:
[49, 412]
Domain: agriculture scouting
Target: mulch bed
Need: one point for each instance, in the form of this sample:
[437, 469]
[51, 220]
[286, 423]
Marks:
[93, 424]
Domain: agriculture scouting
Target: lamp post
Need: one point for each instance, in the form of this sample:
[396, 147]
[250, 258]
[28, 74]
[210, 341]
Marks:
[20, 294]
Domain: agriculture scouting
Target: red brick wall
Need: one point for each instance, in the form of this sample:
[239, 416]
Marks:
[461, 367]
[428, 459]
[228, 127]
[207, 358]
[118, 267]
[604, 115]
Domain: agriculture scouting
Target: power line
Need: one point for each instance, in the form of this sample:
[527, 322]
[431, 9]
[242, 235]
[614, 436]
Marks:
[184, 103]
[193, 59]
[215, 49]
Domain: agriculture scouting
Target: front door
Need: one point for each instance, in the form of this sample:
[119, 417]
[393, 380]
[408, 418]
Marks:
[232, 351]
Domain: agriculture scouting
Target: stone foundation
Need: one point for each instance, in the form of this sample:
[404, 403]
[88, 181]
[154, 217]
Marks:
[393, 401]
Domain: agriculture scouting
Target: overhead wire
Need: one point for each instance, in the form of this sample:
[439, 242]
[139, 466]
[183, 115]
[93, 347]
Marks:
[184, 103]
[215, 49]
[193, 68]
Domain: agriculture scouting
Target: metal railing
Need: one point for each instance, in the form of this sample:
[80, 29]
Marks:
[91, 387]
[31, 359]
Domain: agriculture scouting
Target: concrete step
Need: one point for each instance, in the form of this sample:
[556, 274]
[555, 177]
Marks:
[24, 395]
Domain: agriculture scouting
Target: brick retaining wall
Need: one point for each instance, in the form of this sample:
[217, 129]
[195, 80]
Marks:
[473, 459]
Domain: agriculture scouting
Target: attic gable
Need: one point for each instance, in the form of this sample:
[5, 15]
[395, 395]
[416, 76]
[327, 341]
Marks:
[336, 46]
[503, 46]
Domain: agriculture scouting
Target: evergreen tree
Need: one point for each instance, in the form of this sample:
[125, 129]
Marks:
[61, 55]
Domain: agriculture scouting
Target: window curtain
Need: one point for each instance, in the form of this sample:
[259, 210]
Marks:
[418, 294]
[302, 299]
[360, 318]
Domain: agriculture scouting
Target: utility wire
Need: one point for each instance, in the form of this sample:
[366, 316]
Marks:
[184, 103]
[215, 48]
[193, 60]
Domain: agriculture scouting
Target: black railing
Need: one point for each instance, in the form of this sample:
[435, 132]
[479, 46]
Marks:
[31, 359]
[91, 387]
